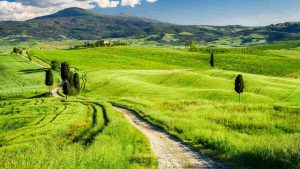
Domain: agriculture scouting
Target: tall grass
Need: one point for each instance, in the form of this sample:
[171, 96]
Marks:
[47, 143]
[257, 135]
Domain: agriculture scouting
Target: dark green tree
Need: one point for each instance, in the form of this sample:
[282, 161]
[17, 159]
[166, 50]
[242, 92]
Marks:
[16, 50]
[65, 71]
[54, 65]
[67, 89]
[76, 83]
[212, 60]
[239, 85]
[49, 79]
[70, 78]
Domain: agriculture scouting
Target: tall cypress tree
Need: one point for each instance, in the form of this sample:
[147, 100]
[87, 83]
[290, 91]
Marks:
[67, 89]
[54, 65]
[212, 60]
[70, 78]
[76, 83]
[65, 70]
[49, 79]
[239, 85]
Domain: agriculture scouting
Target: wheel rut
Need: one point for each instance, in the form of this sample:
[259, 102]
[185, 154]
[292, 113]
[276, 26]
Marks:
[170, 151]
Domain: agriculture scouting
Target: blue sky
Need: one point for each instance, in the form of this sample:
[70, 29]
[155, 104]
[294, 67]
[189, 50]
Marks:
[192, 12]
[217, 12]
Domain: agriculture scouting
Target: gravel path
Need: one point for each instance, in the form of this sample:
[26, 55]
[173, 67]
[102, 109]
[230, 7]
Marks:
[55, 91]
[171, 152]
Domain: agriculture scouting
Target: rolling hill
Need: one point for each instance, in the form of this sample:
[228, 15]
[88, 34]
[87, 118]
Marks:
[80, 24]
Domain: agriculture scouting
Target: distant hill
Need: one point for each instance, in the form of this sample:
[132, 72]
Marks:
[76, 23]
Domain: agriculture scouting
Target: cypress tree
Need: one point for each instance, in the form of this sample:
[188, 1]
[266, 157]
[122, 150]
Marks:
[65, 70]
[49, 79]
[54, 65]
[76, 83]
[70, 78]
[67, 89]
[212, 60]
[239, 85]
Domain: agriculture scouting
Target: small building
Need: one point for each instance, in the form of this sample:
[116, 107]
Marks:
[104, 43]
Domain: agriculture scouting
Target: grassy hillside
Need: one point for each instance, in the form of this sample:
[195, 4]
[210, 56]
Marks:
[131, 58]
[177, 90]
[19, 77]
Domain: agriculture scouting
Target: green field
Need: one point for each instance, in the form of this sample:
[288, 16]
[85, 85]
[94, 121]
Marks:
[72, 134]
[171, 88]
[19, 77]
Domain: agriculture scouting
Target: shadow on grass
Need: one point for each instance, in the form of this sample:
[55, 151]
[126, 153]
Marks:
[27, 71]
[43, 95]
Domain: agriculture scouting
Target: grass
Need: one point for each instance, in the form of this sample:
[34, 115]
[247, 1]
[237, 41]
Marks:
[49, 128]
[178, 91]
[257, 135]
[19, 77]
[142, 58]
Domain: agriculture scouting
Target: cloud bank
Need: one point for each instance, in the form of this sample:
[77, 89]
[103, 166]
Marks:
[27, 9]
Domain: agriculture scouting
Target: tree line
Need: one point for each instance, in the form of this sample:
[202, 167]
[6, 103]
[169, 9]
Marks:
[100, 43]
[70, 80]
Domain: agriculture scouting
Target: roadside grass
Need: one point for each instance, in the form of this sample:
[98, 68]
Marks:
[47, 128]
[257, 135]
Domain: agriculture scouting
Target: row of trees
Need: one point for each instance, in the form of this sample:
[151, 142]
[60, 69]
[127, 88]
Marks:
[70, 80]
[100, 43]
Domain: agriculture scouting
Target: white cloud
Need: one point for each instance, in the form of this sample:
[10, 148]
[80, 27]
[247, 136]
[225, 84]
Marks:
[107, 3]
[28, 9]
[131, 3]
[151, 1]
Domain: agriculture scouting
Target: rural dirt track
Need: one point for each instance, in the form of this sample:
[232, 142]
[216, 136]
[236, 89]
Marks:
[55, 92]
[171, 153]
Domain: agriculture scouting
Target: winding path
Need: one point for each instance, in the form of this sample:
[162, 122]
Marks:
[55, 91]
[171, 152]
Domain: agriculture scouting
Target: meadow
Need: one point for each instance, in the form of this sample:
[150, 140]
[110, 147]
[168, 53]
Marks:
[19, 77]
[48, 133]
[178, 91]
[174, 89]
[64, 134]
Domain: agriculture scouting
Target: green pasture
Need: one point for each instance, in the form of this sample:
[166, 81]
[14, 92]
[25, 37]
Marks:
[72, 134]
[179, 91]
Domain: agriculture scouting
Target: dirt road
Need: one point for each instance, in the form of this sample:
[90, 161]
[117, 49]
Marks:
[171, 152]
